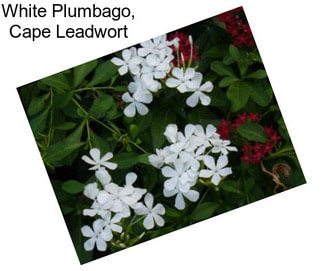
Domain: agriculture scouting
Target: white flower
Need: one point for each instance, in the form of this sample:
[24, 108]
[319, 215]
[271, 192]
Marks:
[206, 139]
[130, 62]
[91, 190]
[158, 159]
[183, 80]
[198, 94]
[191, 195]
[144, 83]
[98, 209]
[180, 176]
[153, 214]
[223, 146]
[156, 46]
[95, 235]
[131, 177]
[137, 103]
[157, 67]
[119, 198]
[98, 162]
[110, 225]
[215, 171]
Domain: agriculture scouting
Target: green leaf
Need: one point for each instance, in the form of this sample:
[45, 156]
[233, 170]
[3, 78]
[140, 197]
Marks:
[38, 123]
[67, 146]
[221, 69]
[98, 142]
[260, 74]
[73, 187]
[249, 184]
[260, 95]
[62, 99]
[103, 73]
[101, 105]
[58, 81]
[238, 93]
[160, 121]
[204, 211]
[253, 132]
[239, 58]
[219, 99]
[37, 104]
[230, 186]
[129, 159]
[81, 71]
[66, 126]
[227, 81]
[134, 130]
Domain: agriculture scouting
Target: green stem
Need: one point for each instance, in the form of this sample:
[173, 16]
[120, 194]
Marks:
[203, 197]
[93, 88]
[88, 134]
[137, 146]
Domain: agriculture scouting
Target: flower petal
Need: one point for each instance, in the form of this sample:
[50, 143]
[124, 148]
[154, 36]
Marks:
[193, 100]
[130, 110]
[159, 209]
[204, 173]
[87, 231]
[126, 54]
[101, 244]
[123, 70]
[172, 82]
[149, 200]
[178, 73]
[222, 161]
[168, 171]
[117, 61]
[131, 177]
[179, 202]
[209, 162]
[207, 87]
[159, 220]
[189, 74]
[89, 244]
[107, 234]
[88, 160]
[142, 109]
[95, 154]
[205, 100]
[148, 222]
[171, 183]
[110, 165]
[192, 195]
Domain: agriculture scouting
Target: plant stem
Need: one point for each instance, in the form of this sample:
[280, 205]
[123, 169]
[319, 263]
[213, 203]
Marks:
[93, 88]
[88, 133]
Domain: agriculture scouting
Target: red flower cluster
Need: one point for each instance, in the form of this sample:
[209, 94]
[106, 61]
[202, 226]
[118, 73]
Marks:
[239, 29]
[225, 128]
[184, 48]
[254, 153]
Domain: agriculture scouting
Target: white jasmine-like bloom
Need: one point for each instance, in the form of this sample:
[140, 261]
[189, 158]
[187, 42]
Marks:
[144, 83]
[158, 159]
[223, 146]
[91, 190]
[180, 176]
[119, 198]
[152, 213]
[131, 177]
[98, 209]
[206, 139]
[191, 195]
[198, 93]
[137, 103]
[98, 162]
[183, 81]
[156, 46]
[95, 235]
[215, 171]
[130, 62]
[110, 225]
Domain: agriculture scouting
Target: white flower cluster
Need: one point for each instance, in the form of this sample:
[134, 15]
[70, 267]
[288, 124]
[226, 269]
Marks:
[112, 203]
[148, 65]
[182, 162]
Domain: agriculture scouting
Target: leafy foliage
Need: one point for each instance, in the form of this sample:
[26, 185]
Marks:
[81, 108]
